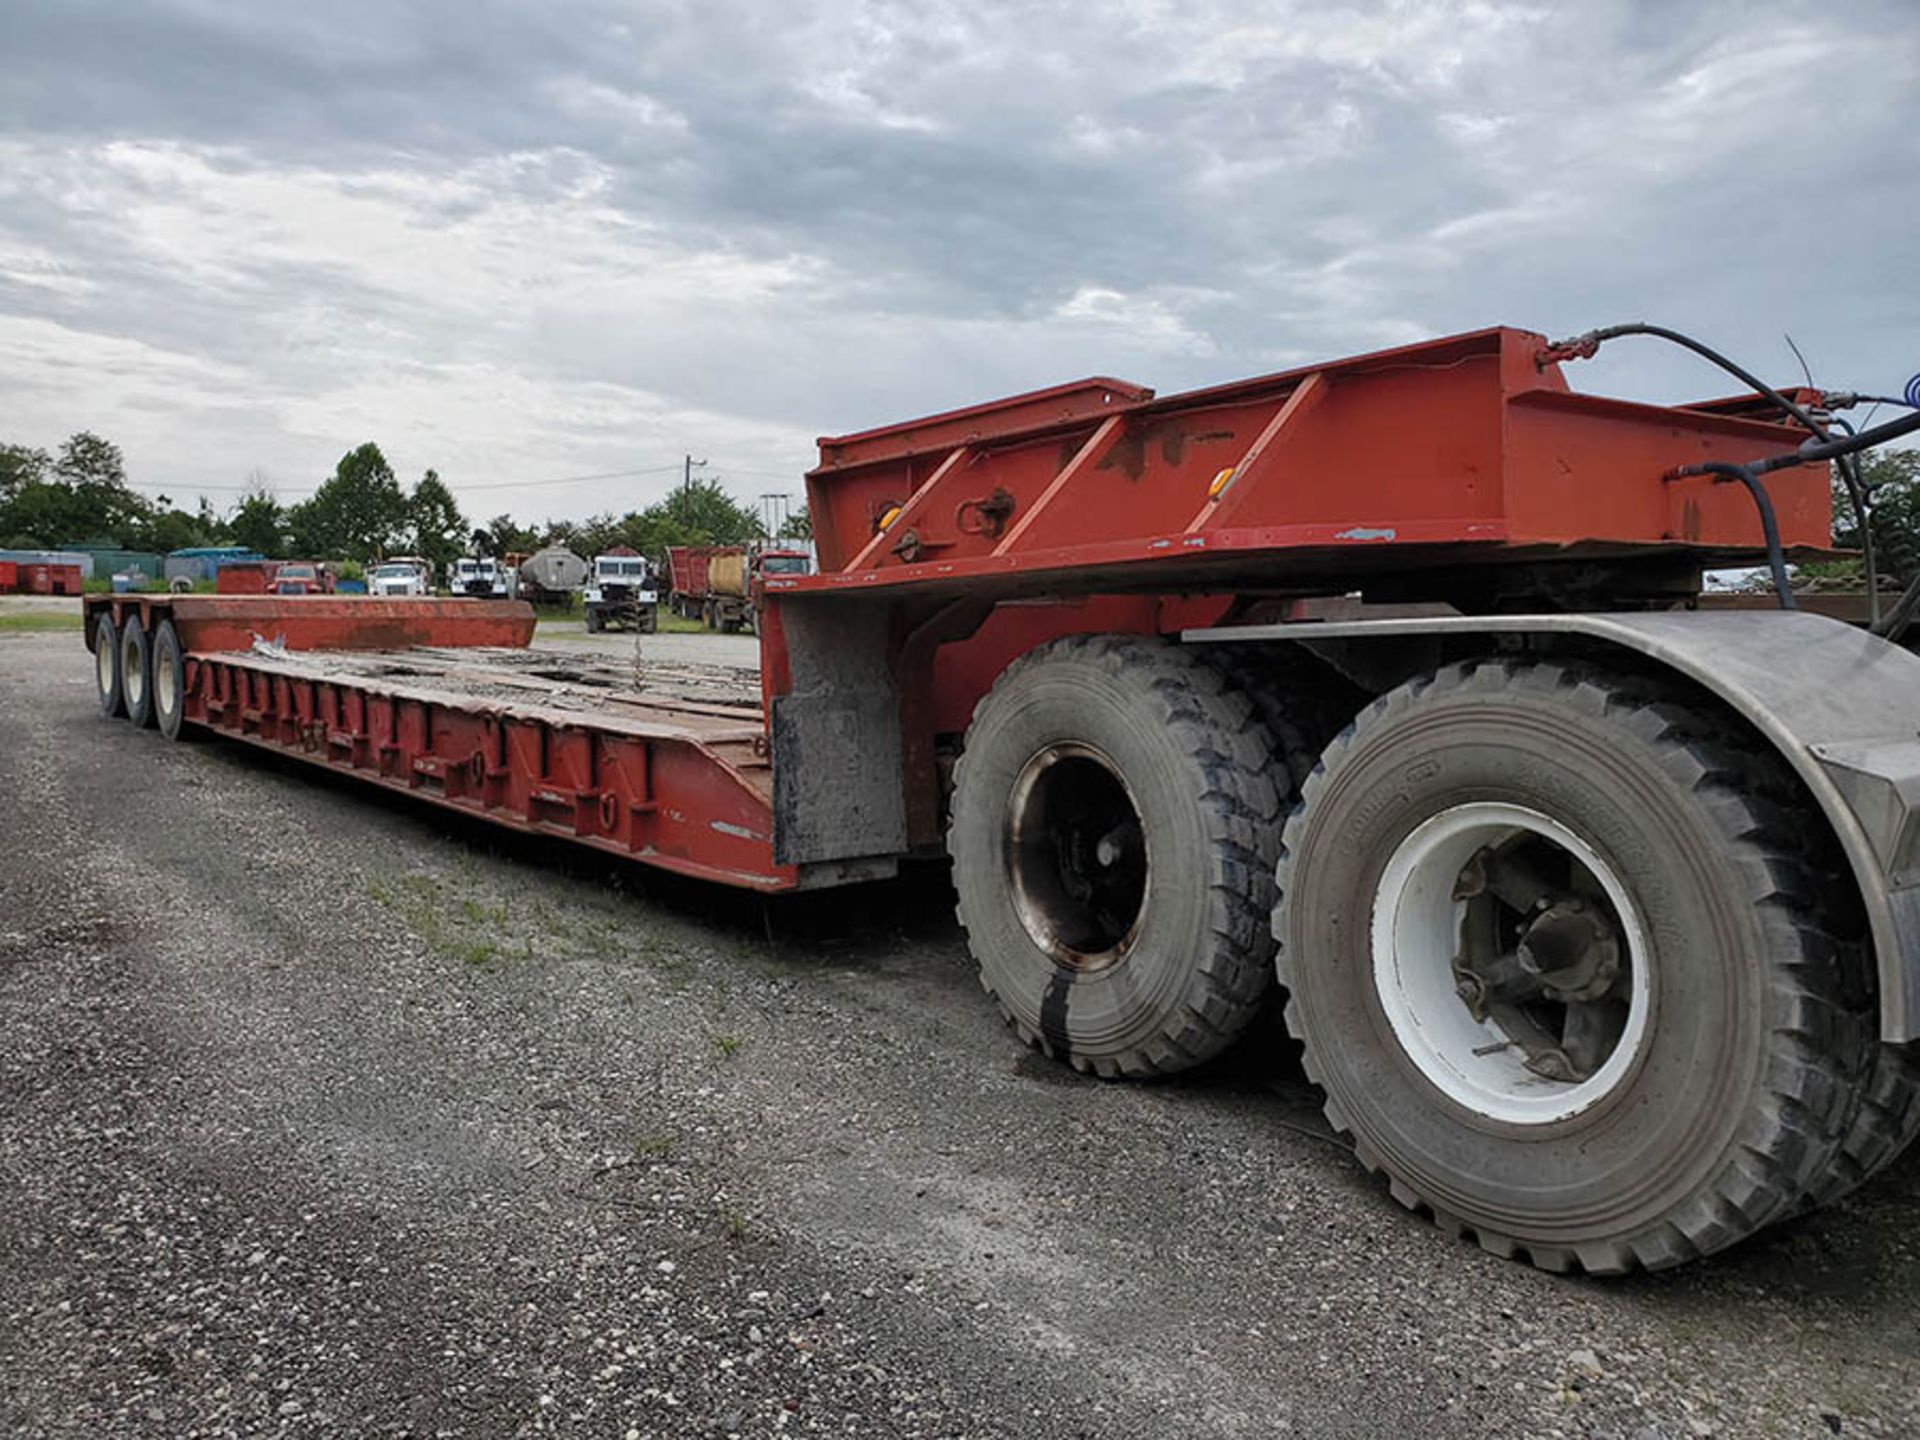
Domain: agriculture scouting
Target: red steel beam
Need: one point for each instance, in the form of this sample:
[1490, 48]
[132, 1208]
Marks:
[207, 623]
[1465, 440]
[691, 801]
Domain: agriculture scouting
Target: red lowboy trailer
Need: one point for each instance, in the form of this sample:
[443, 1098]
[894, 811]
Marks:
[1598, 909]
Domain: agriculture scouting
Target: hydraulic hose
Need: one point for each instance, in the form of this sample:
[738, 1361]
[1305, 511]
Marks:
[1582, 347]
[1810, 453]
[1769, 523]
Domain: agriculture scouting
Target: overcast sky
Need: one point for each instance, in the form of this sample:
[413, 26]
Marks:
[531, 241]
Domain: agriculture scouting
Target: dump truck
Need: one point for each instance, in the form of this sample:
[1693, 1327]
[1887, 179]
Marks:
[1385, 687]
[687, 579]
[733, 576]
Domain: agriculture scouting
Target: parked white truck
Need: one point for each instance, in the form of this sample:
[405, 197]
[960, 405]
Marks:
[401, 575]
[621, 592]
[480, 579]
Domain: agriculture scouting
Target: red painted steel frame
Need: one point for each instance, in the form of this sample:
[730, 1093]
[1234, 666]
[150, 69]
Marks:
[688, 797]
[1466, 440]
[685, 788]
[321, 622]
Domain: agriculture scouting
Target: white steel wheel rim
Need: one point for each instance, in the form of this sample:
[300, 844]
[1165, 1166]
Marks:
[103, 647]
[131, 675]
[163, 687]
[1415, 935]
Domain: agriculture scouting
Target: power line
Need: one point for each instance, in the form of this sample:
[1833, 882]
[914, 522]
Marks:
[685, 468]
[567, 479]
[197, 488]
[762, 474]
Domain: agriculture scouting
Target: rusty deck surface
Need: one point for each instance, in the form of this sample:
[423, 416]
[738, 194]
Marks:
[662, 762]
[709, 704]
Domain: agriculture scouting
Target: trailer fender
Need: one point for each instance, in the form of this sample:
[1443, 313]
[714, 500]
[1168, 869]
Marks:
[1840, 705]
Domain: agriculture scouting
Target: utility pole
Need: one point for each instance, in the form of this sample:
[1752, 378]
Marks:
[686, 489]
[775, 509]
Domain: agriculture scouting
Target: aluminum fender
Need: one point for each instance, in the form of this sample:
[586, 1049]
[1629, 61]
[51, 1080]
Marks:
[1841, 705]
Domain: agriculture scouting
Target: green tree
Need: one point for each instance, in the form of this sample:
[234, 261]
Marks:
[176, 530]
[703, 509]
[799, 526]
[502, 536]
[21, 466]
[43, 514]
[79, 496]
[87, 461]
[358, 514]
[258, 521]
[1893, 479]
[438, 529]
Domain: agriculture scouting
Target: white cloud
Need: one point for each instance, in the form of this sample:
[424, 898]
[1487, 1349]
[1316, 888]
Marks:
[572, 243]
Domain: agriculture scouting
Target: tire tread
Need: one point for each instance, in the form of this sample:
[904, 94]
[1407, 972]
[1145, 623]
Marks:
[1223, 733]
[1810, 1116]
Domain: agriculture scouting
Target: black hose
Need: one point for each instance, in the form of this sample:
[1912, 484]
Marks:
[1829, 448]
[1769, 525]
[1808, 454]
[1587, 344]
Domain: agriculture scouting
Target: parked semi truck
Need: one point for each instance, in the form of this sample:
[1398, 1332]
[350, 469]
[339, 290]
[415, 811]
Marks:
[480, 578]
[734, 573]
[621, 594]
[1386, 684]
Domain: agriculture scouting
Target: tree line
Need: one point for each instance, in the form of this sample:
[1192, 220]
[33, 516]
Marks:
[362, 512]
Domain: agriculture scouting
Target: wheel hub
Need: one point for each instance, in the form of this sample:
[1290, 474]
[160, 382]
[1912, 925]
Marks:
[1077, 856]
[1510, 962]
[163, 686]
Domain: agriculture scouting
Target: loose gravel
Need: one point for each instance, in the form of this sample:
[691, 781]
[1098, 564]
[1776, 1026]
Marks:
[326, 1115]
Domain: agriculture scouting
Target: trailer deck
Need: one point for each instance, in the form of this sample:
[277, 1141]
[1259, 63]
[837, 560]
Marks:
[663, 763]
[674, 771]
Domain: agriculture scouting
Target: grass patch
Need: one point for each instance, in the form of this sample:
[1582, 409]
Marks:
[559, 627]
[449, 930]
[725, 1047]
[51, 620]
[653, 1147]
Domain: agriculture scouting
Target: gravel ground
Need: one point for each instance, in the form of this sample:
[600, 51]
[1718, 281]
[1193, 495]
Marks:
[700, 649]
[325, 1115]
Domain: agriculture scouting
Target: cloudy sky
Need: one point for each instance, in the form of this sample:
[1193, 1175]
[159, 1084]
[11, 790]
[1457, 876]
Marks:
[525, 242]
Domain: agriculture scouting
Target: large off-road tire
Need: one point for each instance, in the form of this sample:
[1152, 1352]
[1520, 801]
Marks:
[1886, 1123]
[1302, 702]
[595, 622]
[169, 681]
[1113, 823]
[1512, 817]
[136, 671]
[106, 666]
